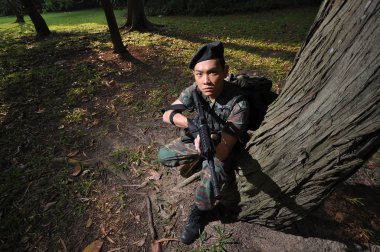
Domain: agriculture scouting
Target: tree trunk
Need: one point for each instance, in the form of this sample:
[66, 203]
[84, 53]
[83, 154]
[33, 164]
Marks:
[136, 18]
[16, 7]
[114, 30]
[39, 23]
[324, 124]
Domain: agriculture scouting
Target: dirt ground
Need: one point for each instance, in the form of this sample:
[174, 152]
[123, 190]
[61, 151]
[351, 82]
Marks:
[337, 225]
[116, 214]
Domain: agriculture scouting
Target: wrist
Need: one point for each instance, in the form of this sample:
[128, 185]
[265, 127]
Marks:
[171, 117]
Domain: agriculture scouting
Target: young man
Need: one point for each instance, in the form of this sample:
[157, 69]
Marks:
[226, 123]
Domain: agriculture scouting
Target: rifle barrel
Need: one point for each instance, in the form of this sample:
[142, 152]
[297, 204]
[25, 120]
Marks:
[207, 145]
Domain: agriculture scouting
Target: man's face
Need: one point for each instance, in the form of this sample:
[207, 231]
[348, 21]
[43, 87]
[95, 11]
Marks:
[209, 76]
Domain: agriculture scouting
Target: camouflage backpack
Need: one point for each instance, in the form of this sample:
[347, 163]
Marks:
[258, 91]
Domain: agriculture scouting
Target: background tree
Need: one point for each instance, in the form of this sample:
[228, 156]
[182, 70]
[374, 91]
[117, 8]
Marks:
[324, 124]
[17, 9]
[136, 18]
[39, 23]
[112, 25]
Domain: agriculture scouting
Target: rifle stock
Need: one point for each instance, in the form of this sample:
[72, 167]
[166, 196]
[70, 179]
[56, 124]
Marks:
[207, 145]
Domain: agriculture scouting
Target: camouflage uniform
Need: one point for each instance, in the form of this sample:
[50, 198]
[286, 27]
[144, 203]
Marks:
[178, 152]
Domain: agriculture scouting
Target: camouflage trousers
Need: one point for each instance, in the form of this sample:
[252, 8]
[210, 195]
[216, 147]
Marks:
[177, 153]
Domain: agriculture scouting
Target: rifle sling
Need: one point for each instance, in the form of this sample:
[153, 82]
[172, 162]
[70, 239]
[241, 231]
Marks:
[175, 107]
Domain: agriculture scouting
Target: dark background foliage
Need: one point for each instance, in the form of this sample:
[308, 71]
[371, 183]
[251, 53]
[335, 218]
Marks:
[171, 7]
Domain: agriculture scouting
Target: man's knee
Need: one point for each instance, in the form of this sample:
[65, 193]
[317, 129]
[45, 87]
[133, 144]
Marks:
[167, 157]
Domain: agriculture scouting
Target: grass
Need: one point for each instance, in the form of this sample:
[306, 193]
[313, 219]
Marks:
[359, 202]
[54, 99]
[219, 240]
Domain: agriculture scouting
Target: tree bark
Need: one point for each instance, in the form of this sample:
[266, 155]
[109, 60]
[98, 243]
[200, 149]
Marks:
[112, 25]
[16, 7]
[136, 18]
[39, 23]
[324, 124]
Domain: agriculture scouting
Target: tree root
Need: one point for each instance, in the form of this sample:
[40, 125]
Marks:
[188, 181]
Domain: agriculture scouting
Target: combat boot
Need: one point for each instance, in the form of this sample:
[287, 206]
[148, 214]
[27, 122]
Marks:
[194, 226]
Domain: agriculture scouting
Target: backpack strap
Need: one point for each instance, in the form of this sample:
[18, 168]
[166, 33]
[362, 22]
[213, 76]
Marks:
[229, 106]
[230, 127]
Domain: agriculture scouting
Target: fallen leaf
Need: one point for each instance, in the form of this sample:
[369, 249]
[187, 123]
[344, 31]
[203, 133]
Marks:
[154, 175]
[95, 122]
[139, 243]
[39, 111]
[73, 153]
[25, 239]
[112, 82]
[92, 142]
[110, 240]
[85, 172]
[76, 171]
[103, 230]
[48, 205]
[89, 222]
[94, 246]
[53, 196]
[61, 126]
[63, 244]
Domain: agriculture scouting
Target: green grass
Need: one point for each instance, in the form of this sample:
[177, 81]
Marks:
[219, 239]
[53, 98]
[359, 202]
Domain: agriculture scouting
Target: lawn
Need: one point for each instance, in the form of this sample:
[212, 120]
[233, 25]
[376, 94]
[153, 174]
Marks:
[69, 96]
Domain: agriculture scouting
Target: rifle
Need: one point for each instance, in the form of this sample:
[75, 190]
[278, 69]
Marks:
[206, 145]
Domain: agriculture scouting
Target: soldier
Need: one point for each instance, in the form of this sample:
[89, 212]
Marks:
[209, 71]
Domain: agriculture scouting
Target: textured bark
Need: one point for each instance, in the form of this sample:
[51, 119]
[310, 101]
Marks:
[136, 18]
[324, 124]
[112, 25]
[39, 23]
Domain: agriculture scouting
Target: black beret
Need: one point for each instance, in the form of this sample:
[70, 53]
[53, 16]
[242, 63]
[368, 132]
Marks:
[213, 50]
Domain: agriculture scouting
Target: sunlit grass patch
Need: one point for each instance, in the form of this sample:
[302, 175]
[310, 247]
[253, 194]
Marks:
[76, 115]
[215, 241]
[128, 157]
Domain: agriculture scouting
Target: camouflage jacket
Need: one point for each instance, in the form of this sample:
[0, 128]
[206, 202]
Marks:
[219, 113]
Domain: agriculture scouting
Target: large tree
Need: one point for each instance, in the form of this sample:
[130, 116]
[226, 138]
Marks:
[39, 23]
[17, 9]
[136, 18]
[112, 25]
[324, 124]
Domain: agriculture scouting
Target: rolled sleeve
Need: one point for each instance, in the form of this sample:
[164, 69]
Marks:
[186, 96]
[238, 118]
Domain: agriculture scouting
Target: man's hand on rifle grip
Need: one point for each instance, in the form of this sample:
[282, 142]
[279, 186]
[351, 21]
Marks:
[197, 142]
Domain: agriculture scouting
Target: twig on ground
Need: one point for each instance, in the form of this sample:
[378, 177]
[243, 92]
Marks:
[187, 181]
[63, 244]
[133, 185]
[167, 239]
[25, 192]
[117, 249]
[150, 218]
